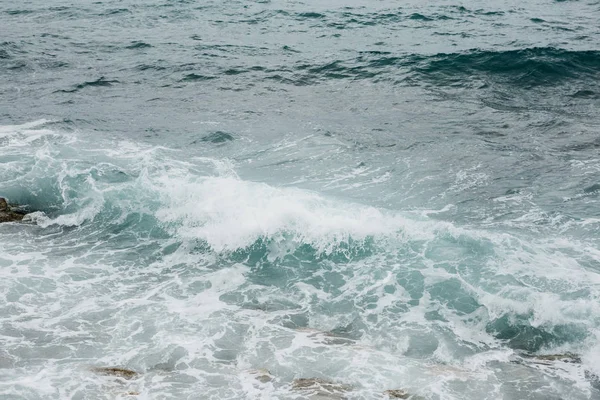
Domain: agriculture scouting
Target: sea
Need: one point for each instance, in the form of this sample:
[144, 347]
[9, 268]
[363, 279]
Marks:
[268, 199]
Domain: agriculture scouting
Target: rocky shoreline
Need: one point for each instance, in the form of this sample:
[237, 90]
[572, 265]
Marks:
[10, 213]
[325, 389]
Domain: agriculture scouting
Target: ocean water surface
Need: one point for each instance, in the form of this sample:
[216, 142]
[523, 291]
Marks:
[229, 196]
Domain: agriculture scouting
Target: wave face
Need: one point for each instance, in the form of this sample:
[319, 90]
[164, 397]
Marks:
[287, 201]
[183, 270]
[529, 67]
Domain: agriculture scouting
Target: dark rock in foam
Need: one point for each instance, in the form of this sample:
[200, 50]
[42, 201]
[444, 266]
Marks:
[397, 394]
[320, 388]
[548, 358]
[115, 371]
[8, 213]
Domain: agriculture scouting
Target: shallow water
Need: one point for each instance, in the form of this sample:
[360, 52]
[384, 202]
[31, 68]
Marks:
[383, 196]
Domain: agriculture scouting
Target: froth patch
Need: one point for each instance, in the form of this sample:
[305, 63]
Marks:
[229, 214]
[24, 135]
[9, 129]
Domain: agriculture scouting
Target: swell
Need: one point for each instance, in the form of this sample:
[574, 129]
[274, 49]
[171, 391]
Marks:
[100, 82]
[534, 66]
[542, 67]
[347, 19]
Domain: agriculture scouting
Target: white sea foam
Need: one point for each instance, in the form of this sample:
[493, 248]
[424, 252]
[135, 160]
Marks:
[85, 285]
[230, 213]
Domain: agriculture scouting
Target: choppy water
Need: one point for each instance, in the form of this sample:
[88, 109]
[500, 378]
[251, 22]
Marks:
[386, 196]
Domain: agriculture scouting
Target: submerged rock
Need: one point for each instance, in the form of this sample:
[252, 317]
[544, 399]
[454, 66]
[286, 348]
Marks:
[326, 337]
[396, 394]
[318, 388]
[551, 361]
[115, 371]
[8, 213]
[593, 378]
[401, 394]
[262, 375]
[550, 358]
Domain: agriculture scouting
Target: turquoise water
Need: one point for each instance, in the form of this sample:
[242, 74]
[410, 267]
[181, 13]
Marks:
[385, 196]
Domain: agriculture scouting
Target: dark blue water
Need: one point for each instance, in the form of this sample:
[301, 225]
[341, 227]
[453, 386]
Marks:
[381, 196]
